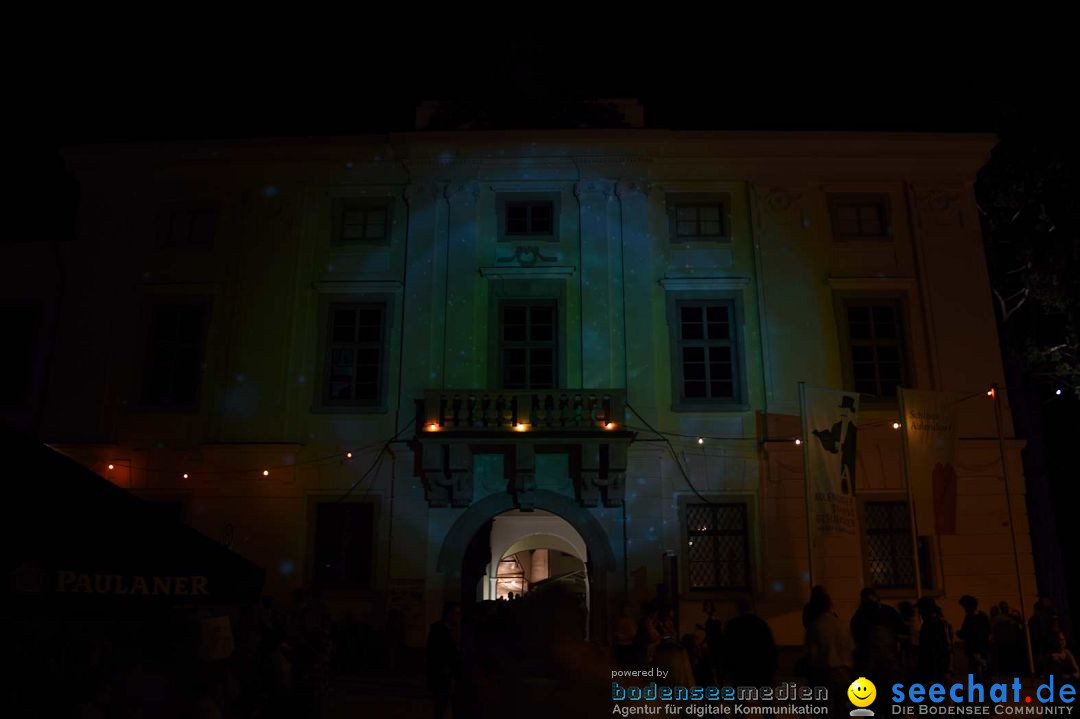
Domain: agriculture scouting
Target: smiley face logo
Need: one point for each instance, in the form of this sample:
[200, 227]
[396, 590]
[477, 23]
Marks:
[862, 692]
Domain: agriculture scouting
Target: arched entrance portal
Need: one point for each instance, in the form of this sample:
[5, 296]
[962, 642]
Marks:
[467, 555]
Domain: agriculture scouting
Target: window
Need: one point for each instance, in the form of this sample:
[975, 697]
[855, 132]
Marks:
[174, 357]
[344, 541]
[859, 217]
[706, 354]
[361, 221]
[696, 218]
[528, 345]
[718, 548]
[189, 226]
[888, 544]
[877, 355]
[355, 354]
[528, 217]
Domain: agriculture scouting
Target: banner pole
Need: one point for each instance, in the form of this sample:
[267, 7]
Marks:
[996, 394]
[806, 481]
[910, 494]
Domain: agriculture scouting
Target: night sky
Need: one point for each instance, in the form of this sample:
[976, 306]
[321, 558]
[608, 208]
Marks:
[191, 88]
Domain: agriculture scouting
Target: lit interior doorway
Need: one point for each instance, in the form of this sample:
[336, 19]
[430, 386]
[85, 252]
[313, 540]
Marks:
[532, 553]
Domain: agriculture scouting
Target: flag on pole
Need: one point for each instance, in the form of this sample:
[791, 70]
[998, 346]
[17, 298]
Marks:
[930, 442]
[829, 432]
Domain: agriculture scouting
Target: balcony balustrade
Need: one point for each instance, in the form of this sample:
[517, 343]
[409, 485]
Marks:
[539, 410]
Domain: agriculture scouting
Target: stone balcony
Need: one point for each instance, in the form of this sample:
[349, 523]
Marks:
[587, 424]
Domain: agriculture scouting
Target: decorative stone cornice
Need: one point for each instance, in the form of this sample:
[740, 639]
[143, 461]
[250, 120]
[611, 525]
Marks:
[423, 191]
[704, 283]
[594, 189]
[462, 193]
[636, 186]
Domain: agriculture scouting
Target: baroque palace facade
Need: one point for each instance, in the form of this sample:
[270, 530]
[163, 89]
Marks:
[379, 366]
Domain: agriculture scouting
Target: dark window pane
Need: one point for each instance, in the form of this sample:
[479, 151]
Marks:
[718, 550]
[517, 218]
[695, 390]
[876, 352]
[693, 354]
[173, 366]
[355, 354]
[344, 538]
[542, 219]
[694, 370]
[722, 390]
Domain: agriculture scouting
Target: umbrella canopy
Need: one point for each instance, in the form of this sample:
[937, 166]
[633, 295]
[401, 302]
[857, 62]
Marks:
[80, 539]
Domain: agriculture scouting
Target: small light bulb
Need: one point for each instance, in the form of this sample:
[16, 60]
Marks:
[701, 440]
[609, 425]
[266, 472]
[1057, 392]
[110, 466]
[433, 427]
[520, 427]
[896, 425]
[798, 441]
[348, 455]
[185, 475]
[990, 392]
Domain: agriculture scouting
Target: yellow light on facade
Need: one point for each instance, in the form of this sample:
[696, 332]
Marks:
[991, 393]
[433, 427]
[110, 466]
[798, 441]
[609, 425]
[896, 425]
[266, 472]
[520, 426]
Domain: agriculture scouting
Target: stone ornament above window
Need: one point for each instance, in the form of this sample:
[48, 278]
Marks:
[527, 256]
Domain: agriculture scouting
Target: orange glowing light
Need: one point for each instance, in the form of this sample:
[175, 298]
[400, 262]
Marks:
[433, 427]
[609, 425]
[991, 393]
[266, 472]
[520, 426]
[896, 425]
[110, 466]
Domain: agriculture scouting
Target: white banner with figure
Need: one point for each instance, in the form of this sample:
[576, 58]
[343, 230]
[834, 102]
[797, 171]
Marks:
[829, 432]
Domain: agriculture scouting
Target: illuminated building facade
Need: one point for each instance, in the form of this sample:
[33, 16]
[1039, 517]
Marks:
[381, 366]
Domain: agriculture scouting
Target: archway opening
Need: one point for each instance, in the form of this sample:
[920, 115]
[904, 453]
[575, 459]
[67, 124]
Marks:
[495, 528]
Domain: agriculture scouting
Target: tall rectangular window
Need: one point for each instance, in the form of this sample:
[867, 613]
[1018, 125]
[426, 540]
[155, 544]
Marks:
[344, 545]
[889, 559]
[528, 345]
[859, 217]
[355, 354]
[718, 550]
[173, 369]
[877, 357]
[707, 358]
